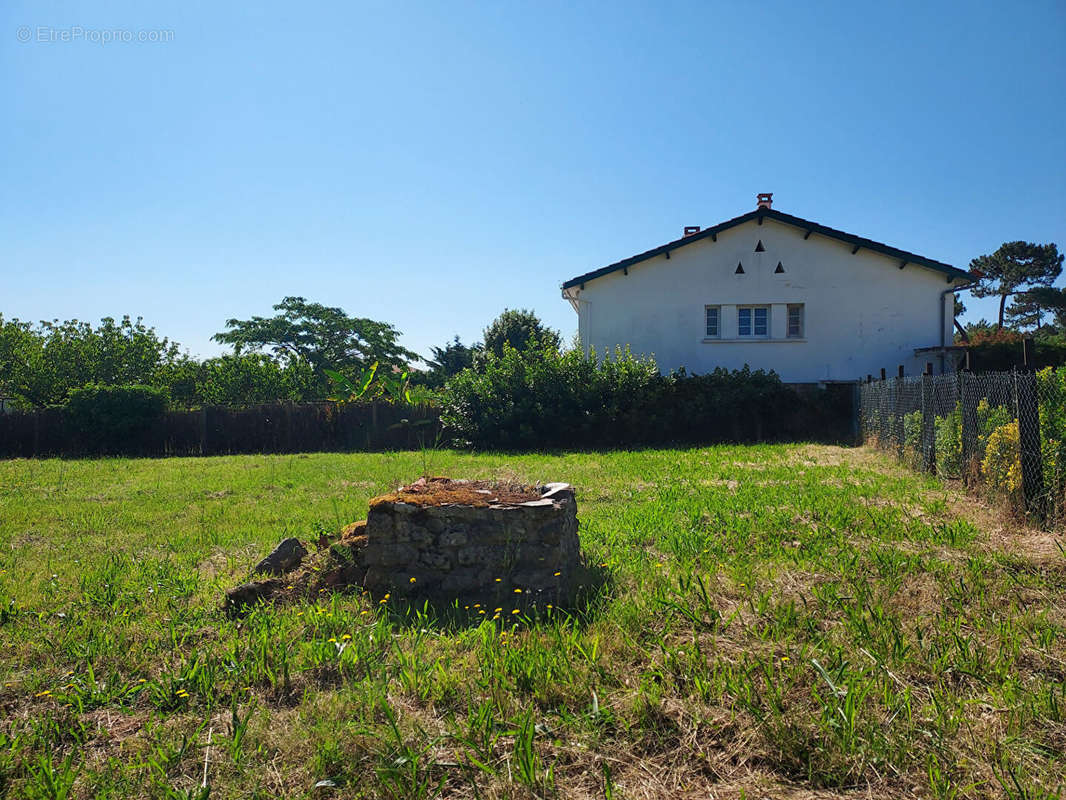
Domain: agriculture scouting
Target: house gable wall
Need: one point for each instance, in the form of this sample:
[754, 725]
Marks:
[861, 311]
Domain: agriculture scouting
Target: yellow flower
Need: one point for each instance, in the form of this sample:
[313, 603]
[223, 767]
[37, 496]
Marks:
[364, 612]
[557, 574]
[498, 580]
[481, 611]
[412, 580]
[550, 605]
[785, 658]
[388, 595]
[518, 591]
[347, 636]
[515, 611]
[477, 605]
[45, 693]
[658, 563]
[332, 639]
[497, 610]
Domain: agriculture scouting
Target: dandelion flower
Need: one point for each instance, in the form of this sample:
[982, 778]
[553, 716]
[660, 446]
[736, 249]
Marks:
[481, 611]
[333, 639]
[497, 610]
[515, 611]
[498, 580]
[412, 579]
[557, 574]
[518, 591]
[658, 563]
[45, 693]
[346, 636]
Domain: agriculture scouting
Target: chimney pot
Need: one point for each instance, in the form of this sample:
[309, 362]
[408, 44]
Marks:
[765, 199]
[691, 229]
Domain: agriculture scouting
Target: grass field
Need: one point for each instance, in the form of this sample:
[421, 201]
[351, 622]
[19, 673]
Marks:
[779, 621]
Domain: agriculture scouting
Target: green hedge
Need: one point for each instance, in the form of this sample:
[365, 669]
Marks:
[542, 399]
[114, 418]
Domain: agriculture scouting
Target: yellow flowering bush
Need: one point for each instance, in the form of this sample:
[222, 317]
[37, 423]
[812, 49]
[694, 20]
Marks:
[1002, 465]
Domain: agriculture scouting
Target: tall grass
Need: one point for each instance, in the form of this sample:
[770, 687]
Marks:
[773, 617]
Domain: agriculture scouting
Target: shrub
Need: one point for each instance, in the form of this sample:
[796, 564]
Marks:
[113, 418]
[542, 398]
[912, 438]
[1002, 466]
[949, 443]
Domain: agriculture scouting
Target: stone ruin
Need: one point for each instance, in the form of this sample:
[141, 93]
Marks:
[444, 541]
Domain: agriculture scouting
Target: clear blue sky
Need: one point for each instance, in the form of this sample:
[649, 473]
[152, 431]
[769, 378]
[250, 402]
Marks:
[430, 164]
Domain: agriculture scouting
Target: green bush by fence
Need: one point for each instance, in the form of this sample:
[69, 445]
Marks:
[543, 399]
[1013, 450]
[104, 418]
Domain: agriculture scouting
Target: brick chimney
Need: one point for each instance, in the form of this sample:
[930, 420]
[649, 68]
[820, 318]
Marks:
[765, 200]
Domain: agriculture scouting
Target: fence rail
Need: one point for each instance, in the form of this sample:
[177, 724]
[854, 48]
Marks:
[221, 430]
[1002, 431]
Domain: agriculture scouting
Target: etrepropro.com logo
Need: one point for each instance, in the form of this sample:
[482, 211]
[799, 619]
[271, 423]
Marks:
[48, 34]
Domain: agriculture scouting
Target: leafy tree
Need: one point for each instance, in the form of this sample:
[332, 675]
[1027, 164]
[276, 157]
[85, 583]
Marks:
[244, 379]
[522, 330]
[449, 361]
[1015, 267]
[40, 365]
[322, 337]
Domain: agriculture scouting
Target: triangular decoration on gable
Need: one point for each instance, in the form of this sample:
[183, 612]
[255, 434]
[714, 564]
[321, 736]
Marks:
[779, 269]
[740, 269]
[759, 248]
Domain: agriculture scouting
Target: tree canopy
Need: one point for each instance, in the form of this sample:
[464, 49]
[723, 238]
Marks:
[324, 337]
[449, 361]
[40, 365]
[1015, 267]
[521, 329]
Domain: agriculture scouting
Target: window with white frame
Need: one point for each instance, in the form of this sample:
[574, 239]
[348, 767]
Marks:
[753, 321]
[794, 329]
[713, 319]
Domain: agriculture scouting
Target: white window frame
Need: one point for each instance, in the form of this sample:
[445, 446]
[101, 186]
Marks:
[717, 322]
[751, 334]
[801, 312]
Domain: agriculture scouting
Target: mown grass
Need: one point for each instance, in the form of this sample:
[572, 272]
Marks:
[784, 621]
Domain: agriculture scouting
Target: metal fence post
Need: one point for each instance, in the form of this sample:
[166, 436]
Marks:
[1028, 411]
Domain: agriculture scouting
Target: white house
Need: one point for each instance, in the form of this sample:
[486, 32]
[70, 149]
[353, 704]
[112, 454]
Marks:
[777, 292]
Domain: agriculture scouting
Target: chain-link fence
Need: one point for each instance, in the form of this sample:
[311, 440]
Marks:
[1001, 432]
